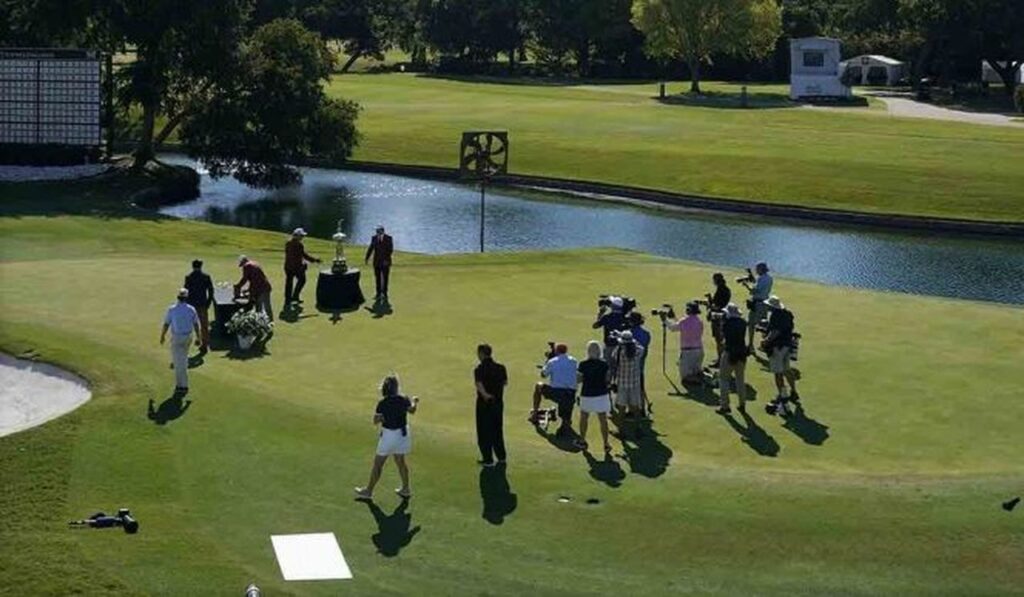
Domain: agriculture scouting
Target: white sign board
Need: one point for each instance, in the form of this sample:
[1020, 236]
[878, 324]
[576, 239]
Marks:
[50, 96]
[315, 556]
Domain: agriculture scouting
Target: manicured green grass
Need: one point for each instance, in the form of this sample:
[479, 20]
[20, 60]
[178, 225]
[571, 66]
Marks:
[855, 159]
[902, 496]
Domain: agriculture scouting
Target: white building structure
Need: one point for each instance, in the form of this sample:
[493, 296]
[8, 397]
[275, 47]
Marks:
[814, 69]
[989, 74]
[872, 69]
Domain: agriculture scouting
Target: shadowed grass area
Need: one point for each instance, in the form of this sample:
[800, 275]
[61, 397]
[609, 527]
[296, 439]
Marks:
[842, 158]
[890, 482]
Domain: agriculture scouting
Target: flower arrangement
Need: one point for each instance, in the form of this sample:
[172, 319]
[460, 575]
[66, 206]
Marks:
[250, 323]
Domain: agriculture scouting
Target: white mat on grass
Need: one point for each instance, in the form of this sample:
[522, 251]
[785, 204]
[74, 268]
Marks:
[315, 556]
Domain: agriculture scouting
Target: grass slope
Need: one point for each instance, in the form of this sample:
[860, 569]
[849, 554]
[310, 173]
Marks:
[843, 158]
[892, 484]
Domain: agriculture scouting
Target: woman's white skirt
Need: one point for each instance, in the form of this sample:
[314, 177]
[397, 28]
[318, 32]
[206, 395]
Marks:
[393, 442]
[595, 404]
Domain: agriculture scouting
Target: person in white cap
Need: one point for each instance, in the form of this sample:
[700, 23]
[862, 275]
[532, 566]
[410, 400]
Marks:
[295, 258]
[778, 343]
[733, 361]
[182, 321]
[626, 367]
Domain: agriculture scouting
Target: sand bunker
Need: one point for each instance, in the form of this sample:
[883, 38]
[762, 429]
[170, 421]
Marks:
[34, 393]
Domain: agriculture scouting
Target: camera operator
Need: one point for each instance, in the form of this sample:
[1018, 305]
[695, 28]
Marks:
[642, 337]
[626, 366]
[716, 304]
[691, 344]
[733, 360]
[611, 316]
[760, 289]
[561, 389]
[778, 343]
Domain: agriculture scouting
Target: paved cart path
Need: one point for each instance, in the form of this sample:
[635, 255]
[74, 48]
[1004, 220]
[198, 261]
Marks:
[910, 108]
[34, 393]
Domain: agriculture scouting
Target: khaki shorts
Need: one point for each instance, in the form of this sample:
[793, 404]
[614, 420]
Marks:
[779, 361]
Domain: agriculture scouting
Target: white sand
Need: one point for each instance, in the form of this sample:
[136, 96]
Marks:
[34, 393]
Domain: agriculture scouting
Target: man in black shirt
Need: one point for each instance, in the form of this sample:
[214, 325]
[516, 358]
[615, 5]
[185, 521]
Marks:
[778, 343]
[491, 379]
[733, 360]
[200, 296]
[611, 320]
[716, 304]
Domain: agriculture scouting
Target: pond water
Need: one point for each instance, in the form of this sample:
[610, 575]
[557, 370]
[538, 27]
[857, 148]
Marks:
[439, 217]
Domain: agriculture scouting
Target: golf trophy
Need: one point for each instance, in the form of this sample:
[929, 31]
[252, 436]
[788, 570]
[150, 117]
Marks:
[337, 288]
[340, 265]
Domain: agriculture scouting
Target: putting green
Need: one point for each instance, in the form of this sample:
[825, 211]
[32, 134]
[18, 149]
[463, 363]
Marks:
[892, 485]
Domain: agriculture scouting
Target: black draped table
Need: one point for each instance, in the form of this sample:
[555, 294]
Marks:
[224, 306]
[338, 292]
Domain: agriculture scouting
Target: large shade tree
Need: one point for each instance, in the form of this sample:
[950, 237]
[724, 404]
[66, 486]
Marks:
[696, 30]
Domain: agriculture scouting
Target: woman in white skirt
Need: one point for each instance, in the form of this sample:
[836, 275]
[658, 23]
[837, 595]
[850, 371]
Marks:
[395, 437]
[594, 398]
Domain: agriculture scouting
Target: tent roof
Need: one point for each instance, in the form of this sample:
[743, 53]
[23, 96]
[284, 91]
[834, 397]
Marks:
[876, 58]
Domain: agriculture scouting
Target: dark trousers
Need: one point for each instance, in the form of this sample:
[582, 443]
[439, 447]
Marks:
[204, 326]
[299, 280]
[490, 434]
[380, 277]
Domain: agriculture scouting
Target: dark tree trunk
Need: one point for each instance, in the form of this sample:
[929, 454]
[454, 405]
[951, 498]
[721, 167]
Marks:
[144, 152]
[694, 74]
[351, 60]
[583, 57]
[1007, 73]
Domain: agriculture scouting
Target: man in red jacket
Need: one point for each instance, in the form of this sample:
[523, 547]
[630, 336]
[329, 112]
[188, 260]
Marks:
[295, 258]
[381, 248]
[259, 286]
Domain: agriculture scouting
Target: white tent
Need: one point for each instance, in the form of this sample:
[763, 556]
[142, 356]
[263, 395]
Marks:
[814, 69]
[872, 69]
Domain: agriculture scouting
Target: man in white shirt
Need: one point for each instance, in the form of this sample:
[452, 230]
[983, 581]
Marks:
[182, 320]
[759, 293]
[560, 371]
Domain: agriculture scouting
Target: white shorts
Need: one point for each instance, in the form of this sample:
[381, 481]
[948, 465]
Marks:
[393, 442]
[595, 404]
[779, 361]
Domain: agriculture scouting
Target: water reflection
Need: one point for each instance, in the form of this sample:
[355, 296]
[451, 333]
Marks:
[436, 217]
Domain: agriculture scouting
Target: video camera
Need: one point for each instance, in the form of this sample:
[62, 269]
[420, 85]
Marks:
[123, 519]
[664, 312]
[605, 301]
[548, 354]
[747, 279]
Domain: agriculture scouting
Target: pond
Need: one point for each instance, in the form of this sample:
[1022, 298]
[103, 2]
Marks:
[440, 217]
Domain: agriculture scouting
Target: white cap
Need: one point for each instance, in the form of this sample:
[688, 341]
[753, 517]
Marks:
[183, 293]
[732, 310]
[616, 302]
[626, 336]
[299, 232]
[242, 260]
[775, 303]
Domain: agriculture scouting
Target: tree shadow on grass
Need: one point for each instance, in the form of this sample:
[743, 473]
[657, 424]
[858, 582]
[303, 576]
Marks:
[811, 431]
[496, 494]
[605, 470]
[641, 448]
[393, 532]
[729, 100]
[754, 435]
[169, 410]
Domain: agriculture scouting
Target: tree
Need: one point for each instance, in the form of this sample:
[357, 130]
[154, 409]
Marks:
[695, 30]
[273, 112]
[364, 27]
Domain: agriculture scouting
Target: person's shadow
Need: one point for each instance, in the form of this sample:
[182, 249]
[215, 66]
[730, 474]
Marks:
[753, 435]
[564, 442]
[699, 393]
[811, 431]
[393, 532]
[496, 494]
[294, 313]
[643, 451]
[169, 410]
[607, 471]
[381, 308]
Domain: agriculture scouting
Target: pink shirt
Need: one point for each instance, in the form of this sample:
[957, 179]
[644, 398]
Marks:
[691, 332]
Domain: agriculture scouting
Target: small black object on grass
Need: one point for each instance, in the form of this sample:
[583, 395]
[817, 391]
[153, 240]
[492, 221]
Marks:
[1010, 505]
[593, 502]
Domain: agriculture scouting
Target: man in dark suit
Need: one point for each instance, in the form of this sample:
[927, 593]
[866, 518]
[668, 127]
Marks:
[200, 296]
[381, 248]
